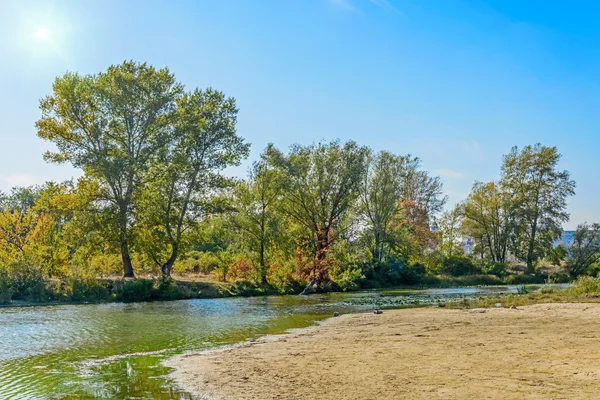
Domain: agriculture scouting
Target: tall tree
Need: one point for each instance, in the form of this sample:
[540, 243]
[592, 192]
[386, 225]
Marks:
[380, 195]
[538, 194]
[112, 125]
[204, 142]
[450, 232]
[425, 190]
[585, 249]
[320, 185]
[487, 217]
[255, 214]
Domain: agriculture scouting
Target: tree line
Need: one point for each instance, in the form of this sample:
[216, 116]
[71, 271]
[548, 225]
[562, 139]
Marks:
[154, 193]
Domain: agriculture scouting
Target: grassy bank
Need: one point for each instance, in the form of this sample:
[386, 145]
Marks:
[34, 289]
[95, 290]
[585, 290]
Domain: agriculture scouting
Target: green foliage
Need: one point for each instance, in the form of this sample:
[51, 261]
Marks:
[487, 217]
[188, 172]
[495, 268]
[559, 277]
[538, 194]
[112, 125]
[321, 185]
[154, 198]
[523, 289]
[134, 290]
[350, 278]
[557, 254]
[198, 262]
[88, 290]
[525, 279]
[584, 251]
[459, 266]
[585, 285]
[6, 290]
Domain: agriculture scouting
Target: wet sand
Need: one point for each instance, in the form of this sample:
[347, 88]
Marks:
[547, 351]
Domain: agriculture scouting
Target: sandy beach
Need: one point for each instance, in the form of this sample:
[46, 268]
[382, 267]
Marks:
[548, 351]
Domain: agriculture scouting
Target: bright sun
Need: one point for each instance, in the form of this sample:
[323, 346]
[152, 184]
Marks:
[42, 34]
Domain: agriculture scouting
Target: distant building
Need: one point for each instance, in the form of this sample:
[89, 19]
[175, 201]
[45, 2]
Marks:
[467, 245]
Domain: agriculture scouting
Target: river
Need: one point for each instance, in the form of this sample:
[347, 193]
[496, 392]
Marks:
[114, 351]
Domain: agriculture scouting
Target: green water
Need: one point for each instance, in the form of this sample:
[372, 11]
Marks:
[114, 351]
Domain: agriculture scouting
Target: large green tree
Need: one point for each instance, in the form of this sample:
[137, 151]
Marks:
[112, 125]
[538, 193]
[380, 195]
[488, 219]
[584, 250]
[255, 216]
[450, 232]
[203, 143]
[320, 185]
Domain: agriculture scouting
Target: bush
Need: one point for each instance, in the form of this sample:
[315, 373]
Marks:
[459, 266]
[349, 279]
[29, 284]
[559, 277]
[134, 290]
[525, 279]
[241, 270]
[495, 268]
[282, 276]
[586, 285]
[413, 274]
[88, 290]
[6, 290]
[105, 265]
[198, 262]
[165, 288]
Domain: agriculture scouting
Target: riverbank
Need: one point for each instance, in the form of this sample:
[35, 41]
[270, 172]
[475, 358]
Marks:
[35, 290]
[532, 352]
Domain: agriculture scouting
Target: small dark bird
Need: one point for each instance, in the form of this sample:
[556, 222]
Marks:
[377, 312]
[336, 314]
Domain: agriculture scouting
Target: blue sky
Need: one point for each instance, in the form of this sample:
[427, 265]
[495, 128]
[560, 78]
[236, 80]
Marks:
[456, 83]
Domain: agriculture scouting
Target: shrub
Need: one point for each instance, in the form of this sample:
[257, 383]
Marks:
[459, 266]
[88, 290]
[559, 277]
[523, 289]
[29, 284]
[134, 290]
[350, 278]
[495, 268]
[6, 290]
[282, 276]
[105, 265]
[525, 279]
[198, 262]
[165, 288]
[241, 269]
[413, 274]
[586, 285]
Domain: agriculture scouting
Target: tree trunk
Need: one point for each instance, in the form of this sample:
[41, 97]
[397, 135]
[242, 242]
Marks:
[530, 268]
[376, 252]
[166, 268]
[263, 266]
[308, 287]
[126, 257]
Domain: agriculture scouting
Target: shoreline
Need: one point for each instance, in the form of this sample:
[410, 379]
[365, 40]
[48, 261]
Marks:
[538, 351]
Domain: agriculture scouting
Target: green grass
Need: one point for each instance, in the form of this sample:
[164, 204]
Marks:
[585, 290]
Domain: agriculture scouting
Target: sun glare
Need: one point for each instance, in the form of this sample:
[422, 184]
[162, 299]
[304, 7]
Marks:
[42, 34]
